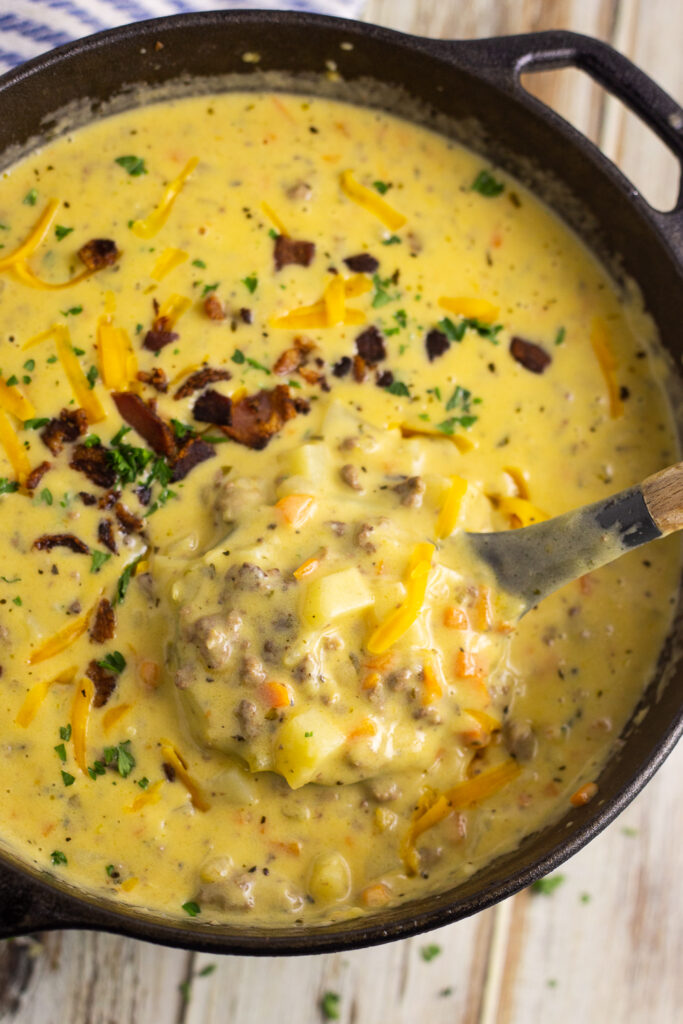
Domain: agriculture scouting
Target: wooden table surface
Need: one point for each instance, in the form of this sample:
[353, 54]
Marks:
[606, 947]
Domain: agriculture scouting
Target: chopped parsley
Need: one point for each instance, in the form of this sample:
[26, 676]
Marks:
[30, 365]
[397, 387]
[401, 321]
[250, 282]
[61, 232]
[98, 768]
[60, 751]
[238, 356]
[45, 496]
[486, 185]
[585, 897]
[92, 376]
[429, 952]
[73, 311]
[257, 366]
[57, 857]
[98, 560]
[133, 165]
[382, 187]
[272, 233]
[391, 240]
[199, 263]
[205, 971]
[36, 422]
[65, 732]
[182, 430]
[209, 288]
[192, 908]
[114, 662]
[111, 871]
[124, 580]
[17, 601]
[90, 441]
[12, 381]
[30, 198]
[15, 579]
[329, 1005]
[52, 359]
[461, 400]
[67, 779]
[453, 331]
[143, 783]
[8, 486]
[559, 337]
[547, 886]
[121, 758]
[382, 296]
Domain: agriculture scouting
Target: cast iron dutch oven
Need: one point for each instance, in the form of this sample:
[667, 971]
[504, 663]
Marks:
[463, 80]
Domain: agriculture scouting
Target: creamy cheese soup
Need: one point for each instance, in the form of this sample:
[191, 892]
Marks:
[263, 357]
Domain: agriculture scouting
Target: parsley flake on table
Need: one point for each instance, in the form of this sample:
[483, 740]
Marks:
[133, 165]
[429, 952]
[329, 1005]
[547, 886]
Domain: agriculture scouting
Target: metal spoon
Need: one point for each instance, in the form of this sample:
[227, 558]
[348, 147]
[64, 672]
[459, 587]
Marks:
[532, 562]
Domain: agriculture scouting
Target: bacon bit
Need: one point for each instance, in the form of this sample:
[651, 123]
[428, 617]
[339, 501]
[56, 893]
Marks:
[143, 418]
[104, 682]
[257, 418]
[436, 344]
[105, 534]
[312, 376]
[292, 358]
[199, 380]
[156, 378]
[70, 425]
[370, 346]
[87, 499]
[341, 368]
[36, 475]
[160, 334]
[363, 263]
[584, 794]
[212, 407]
[213, 307]
[289, 250]
[246, 315]
[360, 370]
[61, 540]
[99, 253]
[128, 522]
[108, 500]
[104, 623]
[190, 454]
[93, 461]
[532, 357]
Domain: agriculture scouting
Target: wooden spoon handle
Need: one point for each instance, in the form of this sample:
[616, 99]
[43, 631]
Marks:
[663, 493]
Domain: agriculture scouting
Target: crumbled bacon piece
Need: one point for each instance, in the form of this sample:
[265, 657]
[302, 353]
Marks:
[158, 337]
[289, 250]
[212, 407]
[363, 263]
[128, 522]
[87, 499]
[360, 370]
[312, 376]
[94, 462]
[192, 452]
[105, 534]
[197, 381]
[143, 418]
[370, 346]
[246, 315]
[99, 253]
[341, 368]
[436, 344]
[257, 418]
[105, 683]
[67, 427]
[531, 356]
[213, 307]
[384, 379]
[61, 540]
[36, 475]
[108, 500]
[104, 623]
[156, 378]
[290, 360]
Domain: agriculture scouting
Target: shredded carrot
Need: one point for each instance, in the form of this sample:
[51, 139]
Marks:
[37, 694]
[370, 680]
[448, 516]
[466, 666]
[487, 721]
[276, 695]
[296, 509]
[80, 718]
[431, 687]
[484, 785]
[173, 757]
[63, 639]
[335, 301]
[473, 309]
[601, 343]
[274, 219]
[83, 393]
[520, 511]
[307, 568]
[15, 451]
[169, 259]
[380, 661]
[113, 715]
[483, 613]
[157, 218]
[521, 480]
[13, 400]
[294, 848]
[367, 727]
[151, 795]
[480, 734]
[583, 795]
[371, 201]
[399, 621]
[456, 618]
[376, 895]
[36, 235]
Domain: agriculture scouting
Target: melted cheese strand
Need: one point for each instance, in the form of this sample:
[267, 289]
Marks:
[80, 718]
[177, 762]
[27, 276]
[274, 219]
[450, 511]
[150, 796]
[118, 364]
[521, 512]
[35, 237]
[83, 393]
[471, 309]
[600, 341]
[168, 261]
[14, 449]
[157, 218]
[173, 307]
[399, 621]
[37, 694]
[370, 201]
[334, 299]
[15, 401]
[63, 639]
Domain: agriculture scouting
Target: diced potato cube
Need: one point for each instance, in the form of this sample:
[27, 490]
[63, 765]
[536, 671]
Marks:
[338, 594]
[309, 460]
[330, 878]
[303, 743]
[388, 596]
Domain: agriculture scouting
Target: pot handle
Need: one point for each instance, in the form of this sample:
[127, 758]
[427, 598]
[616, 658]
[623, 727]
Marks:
[505, 58]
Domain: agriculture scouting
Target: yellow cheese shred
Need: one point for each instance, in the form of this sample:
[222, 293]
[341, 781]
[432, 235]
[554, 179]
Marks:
[371, 202]
[334, 299]
[462, 443]
[83, 393]
[178, 763]
[157, 218]
[15, 451]
[520, 478]
[150, 796]
[27, 276]
[318, 313]
[113, 715]
[399, 621]
[471, 308]
[15, 401]
[37, 694]
[173, 308]
[274, 219]
[63, 639]
[118, 364]
[168, 261]
[521, 511]
[600, 341]
[36, 235]
[448, 516]
[80, 719]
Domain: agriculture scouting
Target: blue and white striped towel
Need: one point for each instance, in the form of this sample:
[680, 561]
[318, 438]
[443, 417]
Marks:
[34, 26]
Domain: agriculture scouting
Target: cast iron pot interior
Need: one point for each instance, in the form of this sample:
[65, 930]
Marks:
[466, 81]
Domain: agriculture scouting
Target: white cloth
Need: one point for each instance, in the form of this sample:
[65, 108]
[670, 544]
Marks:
[30, 27]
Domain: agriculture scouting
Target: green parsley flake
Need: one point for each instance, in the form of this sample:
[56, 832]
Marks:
[36, 423]
[391, 240]
[30, 365]
[30, 198]
[114, 662]
[329, 1004]
[199, 263]
[12, 381]
[61, 232]
[92, 375]
[98, 560]
[46, 496]
[124, 581]
[429, 952]
[486, 185]
[547, 886]
[559, 337]
[60, 750]
[382, 296]
[192, 908]
[397, 387]
[17, 601]
[238, 356]
[209, 288]
[8, 486]
[121, 758]
[67, 779]
[382, 187]
[206, 971]
[73, 311]
[133, 165]
[143, 783]
[57, 857]
[65, 732]
[250, 283]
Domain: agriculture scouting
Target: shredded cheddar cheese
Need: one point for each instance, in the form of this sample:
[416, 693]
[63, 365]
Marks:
[371, 202]
[150, 225]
